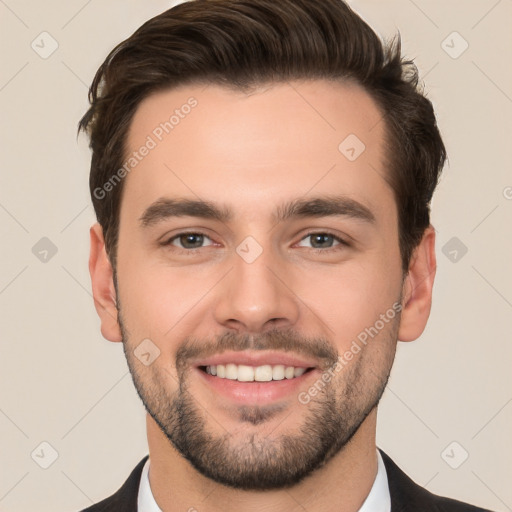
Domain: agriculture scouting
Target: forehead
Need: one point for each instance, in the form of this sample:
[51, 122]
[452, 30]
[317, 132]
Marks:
[280, 141]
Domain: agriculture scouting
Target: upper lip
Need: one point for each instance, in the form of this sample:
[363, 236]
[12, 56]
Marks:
[259, 358]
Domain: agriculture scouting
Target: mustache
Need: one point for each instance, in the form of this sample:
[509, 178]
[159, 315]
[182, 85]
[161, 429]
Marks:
[285, 340]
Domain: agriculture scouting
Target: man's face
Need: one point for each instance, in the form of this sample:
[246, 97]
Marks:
[264, 287]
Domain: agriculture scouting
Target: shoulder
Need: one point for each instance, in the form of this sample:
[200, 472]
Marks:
[126, 497]
[407, 496]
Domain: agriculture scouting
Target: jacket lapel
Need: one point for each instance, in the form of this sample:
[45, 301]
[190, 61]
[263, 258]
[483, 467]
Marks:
[406, 495]
[125, 498]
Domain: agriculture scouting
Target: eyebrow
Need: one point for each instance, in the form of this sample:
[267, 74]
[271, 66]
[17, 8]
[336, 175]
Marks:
[325, 206]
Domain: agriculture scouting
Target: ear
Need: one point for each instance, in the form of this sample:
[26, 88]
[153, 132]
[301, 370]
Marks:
[417, 288]
[103, 291]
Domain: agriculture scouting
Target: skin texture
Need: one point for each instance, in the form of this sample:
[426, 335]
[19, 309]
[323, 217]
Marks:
[252, 153]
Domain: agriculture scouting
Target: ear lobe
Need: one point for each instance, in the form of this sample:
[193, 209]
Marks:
[103, 290]
[417, 288]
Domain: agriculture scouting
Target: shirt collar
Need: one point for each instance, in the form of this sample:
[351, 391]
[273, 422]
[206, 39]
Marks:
[146, 501]
[378, 500]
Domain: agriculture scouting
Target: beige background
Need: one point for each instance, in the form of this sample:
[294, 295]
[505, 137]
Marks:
[64, 385]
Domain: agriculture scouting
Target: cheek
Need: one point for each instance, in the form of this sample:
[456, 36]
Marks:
[350, 298]
[160, 301]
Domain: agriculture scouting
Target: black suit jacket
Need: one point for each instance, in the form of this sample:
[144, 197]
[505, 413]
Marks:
[406, 496]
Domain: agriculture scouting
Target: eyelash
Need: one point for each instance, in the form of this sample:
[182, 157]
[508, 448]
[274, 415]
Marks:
[342, 242]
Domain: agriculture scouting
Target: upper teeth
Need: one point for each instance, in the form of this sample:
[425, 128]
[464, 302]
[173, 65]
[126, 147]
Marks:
[264, 373]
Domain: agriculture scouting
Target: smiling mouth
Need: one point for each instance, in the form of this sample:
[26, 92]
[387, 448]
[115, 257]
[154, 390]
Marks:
[263, 373]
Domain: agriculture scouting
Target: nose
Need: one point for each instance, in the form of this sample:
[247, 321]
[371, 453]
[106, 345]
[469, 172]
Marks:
[257, 296]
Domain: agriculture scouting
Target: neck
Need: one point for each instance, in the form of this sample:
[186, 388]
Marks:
[342, 484]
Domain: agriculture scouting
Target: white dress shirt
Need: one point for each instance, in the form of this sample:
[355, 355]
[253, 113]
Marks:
[378, 500]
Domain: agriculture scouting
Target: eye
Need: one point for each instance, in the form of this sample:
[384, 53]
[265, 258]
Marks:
[319, 241]
[188, 240]
[324, 241]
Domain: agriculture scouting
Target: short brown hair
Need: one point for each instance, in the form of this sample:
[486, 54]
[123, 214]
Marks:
[241, 44]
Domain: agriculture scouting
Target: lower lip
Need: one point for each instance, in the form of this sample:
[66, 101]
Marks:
[256, 392]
